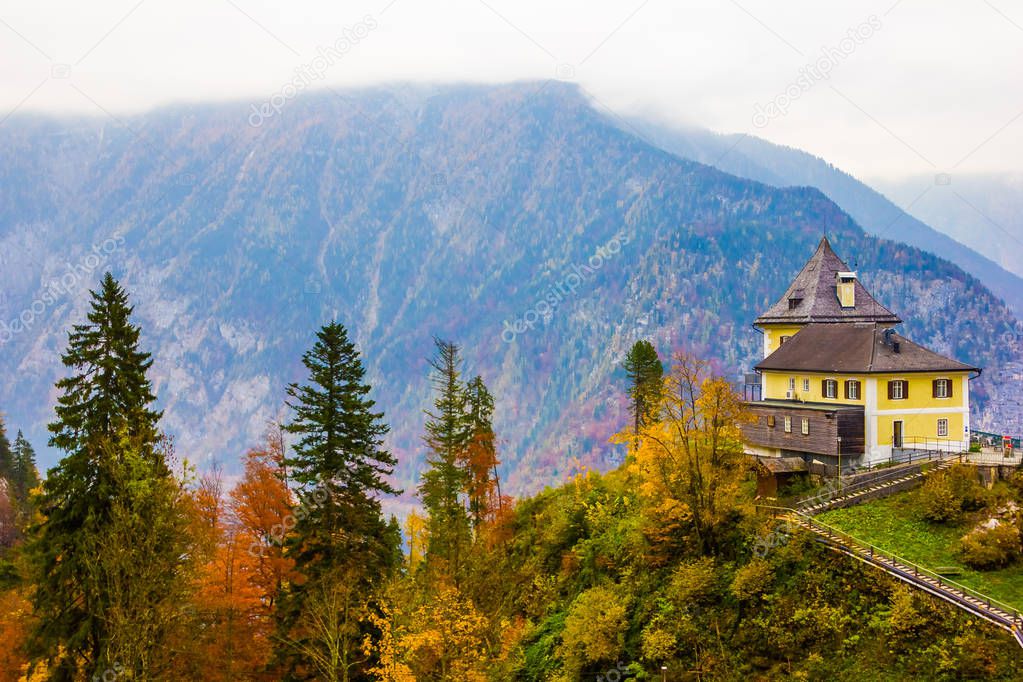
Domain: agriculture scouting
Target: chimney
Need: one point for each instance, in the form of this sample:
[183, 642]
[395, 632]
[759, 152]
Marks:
[845, 288]
[889, 340]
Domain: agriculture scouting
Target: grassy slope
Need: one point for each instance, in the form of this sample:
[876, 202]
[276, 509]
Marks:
[894, 524]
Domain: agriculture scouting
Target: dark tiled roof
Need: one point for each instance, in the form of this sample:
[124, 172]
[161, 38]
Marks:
[815, 285]
[855, 348]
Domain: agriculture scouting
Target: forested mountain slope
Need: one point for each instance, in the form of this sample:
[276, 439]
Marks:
[460, 212]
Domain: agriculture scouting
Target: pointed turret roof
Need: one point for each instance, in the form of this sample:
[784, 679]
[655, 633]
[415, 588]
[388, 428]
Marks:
[812, 298]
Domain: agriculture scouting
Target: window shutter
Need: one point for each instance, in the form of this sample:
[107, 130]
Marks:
[934, 388]
[848, 390]
[905, 390]
[891, 390]
[950, 383]
[824, 388]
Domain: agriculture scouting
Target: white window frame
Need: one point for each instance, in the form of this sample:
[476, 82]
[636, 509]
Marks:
[806, 385]
[943, 428]
[804, 427]
[788, 424]
[831, 389]
[854, 384]
[945, 384]
[897, 390]
[792, 384]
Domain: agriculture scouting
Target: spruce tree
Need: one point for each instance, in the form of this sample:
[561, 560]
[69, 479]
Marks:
[25, 475]
[482, 483]
[341, 468]
[442, 484]
[6, 454]
[113, 472]
[109, 393]
[645, 371]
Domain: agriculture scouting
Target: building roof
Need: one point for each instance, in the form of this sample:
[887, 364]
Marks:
[859, 348]
[815, 287]
[783, 465]
[789, 405]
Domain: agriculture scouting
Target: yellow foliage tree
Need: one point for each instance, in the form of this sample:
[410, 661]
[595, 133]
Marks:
[442, 639]
[691, 452]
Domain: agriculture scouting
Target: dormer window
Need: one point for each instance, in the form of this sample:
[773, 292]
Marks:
[795, 298]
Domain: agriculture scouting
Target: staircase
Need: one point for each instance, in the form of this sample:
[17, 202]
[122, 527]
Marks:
[914, 575]
[897, 481]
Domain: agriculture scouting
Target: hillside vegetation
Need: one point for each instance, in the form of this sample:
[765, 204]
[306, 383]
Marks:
[126, 566]
[954, 523]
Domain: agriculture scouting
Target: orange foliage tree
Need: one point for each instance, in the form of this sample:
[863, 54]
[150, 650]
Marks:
[244, 568]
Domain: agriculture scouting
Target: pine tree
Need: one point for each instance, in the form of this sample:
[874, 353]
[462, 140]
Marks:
[341, 469]
[645, 371]
[110, 393]
[108, 555]
[447, 437]
[482, 483]
[25, 475]
[6, 454]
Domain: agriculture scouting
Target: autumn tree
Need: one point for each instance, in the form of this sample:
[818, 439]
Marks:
[479, 460]
[262, 504]
[108, 555]
[441, 636]
[341, 468]
[332, 628]
[691, 458]
[644, 371]
[443, 483]
[232, 622]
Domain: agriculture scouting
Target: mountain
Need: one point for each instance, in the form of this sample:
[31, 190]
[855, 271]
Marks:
[983, 211]
[513, 219]
[961, 234]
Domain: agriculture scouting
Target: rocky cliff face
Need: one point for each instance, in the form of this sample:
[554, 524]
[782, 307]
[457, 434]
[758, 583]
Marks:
[514, 220]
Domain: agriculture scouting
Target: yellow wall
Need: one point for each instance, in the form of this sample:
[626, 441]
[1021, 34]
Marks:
[773, 334]
[776, 384]
[920, 391]
[915, 427]
[919, 426]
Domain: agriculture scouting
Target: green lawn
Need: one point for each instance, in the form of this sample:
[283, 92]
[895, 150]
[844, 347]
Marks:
[894, 524]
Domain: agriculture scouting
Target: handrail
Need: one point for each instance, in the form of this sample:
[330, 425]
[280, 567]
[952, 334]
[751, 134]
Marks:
[918, 570]
[829, 495]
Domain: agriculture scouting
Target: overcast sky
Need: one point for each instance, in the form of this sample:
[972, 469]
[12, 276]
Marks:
[877, 88]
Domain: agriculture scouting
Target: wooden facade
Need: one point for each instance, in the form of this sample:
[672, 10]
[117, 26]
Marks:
[824, 425]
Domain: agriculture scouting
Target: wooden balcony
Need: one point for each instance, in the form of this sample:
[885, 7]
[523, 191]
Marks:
[826, 423]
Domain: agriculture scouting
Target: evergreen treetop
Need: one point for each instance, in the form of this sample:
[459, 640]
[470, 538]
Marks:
[645, 372]
[109, 395]
[6, 454]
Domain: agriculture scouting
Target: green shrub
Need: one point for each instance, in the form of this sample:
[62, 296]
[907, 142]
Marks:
[694, 582]
[946, 494]
[967, 489]
[991, 547]
[594, 629]
[938, 502]
[752, 581]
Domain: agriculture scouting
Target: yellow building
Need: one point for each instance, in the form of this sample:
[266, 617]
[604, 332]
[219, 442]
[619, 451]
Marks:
[838, 383]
